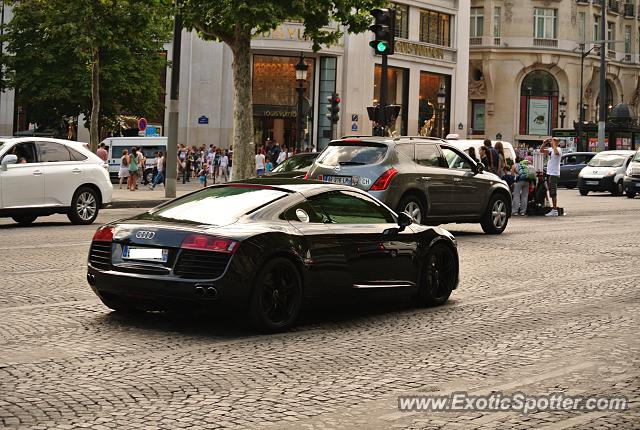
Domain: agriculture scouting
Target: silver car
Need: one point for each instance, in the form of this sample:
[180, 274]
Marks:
[428, 178]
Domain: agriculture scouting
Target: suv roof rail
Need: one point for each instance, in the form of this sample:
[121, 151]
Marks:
[431, 138]
[356, 135]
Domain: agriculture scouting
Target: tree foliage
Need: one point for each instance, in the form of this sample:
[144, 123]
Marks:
[235, 22]
[50, 47]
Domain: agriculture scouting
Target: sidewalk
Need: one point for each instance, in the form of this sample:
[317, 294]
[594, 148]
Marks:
[145, 198]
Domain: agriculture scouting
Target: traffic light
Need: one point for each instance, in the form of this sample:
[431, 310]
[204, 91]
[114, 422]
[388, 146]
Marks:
[334, 108]
[384, 30]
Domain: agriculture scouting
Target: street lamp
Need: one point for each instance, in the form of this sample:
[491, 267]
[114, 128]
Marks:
[563, 111]
[301, 78]
[442, 98]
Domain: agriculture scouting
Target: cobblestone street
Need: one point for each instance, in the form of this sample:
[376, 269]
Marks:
[552, 305]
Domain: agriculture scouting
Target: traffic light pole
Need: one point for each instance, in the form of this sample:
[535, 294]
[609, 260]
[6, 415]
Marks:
[381, 128]
[170, 175]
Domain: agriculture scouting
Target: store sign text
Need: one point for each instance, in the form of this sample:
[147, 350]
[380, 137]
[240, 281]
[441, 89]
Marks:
[284, 33]
[418, 50]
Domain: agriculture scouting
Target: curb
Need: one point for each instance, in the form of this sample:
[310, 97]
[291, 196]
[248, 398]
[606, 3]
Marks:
[140, 204]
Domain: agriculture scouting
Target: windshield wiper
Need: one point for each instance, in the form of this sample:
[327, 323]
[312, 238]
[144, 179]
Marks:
[351, 163]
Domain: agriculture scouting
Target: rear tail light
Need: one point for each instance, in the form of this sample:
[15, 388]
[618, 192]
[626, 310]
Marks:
[306, 176]
[203, 242]
[383, 181]
[104, 234]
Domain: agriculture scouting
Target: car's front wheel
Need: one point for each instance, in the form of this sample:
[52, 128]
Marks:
[496, 217]
[84, 206]
[25, 219]
[584, 192]
[618, 188]
[631, 194]
[412, 205]
[440, 275]
[277, 296]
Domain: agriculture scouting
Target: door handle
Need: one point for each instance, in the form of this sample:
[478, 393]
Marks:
[77, 171]
[457, 179]
[426, 178]
[37, 173]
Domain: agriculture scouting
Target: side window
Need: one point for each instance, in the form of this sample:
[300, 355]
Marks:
[302, 212]
[428, 155]
[346, 207]
[406, 150]
[76, 156]
[51, 152]
[25, 151]
[571, 160]
[456, 160]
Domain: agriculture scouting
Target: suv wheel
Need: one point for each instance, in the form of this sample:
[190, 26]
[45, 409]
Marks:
[631, 194]
[496, 217]
[413, 206]
[25, 219]
[584, 192]
[84, 206]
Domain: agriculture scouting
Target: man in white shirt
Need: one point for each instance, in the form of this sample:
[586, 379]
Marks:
[260, 163]
[224, 167]
[553, 171]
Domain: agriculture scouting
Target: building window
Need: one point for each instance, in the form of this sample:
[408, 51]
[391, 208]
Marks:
[611, 35]
[429, 123]
[582, 20]
[497, 18]
[435, 28]
[397, 93]
[538, 103]
[544, 23]
[627, 43]
[402, 20]
[477, 22]
[596, 28]
[328, 71]
[477, 116]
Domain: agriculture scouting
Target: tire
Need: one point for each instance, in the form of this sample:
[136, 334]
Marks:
[618, 189]
[24, 219]
[277, 296]
[85, 206]
[496, 218]
[631, 194]
[414, 207]
[439, 276]
[584, 192]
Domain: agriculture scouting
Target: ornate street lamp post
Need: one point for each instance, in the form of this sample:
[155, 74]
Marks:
[563, 111]
[442, 98]
[301, 78]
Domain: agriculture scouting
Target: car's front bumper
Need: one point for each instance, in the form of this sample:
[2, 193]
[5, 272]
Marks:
[606, 183]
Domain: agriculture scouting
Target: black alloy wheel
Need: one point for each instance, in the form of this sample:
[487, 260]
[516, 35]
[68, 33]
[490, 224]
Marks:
[277, 296]
[496, 217]
[439, 276]
[84, 206]
[24, 219]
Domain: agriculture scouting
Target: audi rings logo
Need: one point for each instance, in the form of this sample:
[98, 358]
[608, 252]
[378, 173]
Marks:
[145, 235]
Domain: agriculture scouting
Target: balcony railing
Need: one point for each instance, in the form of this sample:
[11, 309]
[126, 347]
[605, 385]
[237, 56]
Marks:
[496, 41]
[629, 10]
[475, 41]
[614, 6]
[553, 43]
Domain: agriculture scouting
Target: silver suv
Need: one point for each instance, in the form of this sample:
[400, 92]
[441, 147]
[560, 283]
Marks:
[428, 178]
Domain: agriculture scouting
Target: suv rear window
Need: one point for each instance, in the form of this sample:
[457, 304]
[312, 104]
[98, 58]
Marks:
[353, 153]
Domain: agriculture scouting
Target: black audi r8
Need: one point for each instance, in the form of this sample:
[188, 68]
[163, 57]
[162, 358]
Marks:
[267, 246]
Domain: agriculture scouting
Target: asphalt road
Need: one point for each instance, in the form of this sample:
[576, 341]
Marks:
[552, 305]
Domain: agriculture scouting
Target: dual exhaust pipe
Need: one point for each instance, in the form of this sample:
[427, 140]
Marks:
[208, 291]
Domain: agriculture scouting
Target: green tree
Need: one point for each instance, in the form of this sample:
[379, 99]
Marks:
[101, 58]
[234, 22]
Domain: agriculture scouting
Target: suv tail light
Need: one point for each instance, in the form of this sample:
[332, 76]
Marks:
[104, 234]
[203, 242]
[383, 181]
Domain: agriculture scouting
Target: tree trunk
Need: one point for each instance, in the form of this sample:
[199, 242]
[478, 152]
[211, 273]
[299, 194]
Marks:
[95, 99]
[243, 145]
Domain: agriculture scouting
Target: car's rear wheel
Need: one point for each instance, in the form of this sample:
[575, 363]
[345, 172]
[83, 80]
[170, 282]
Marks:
[584, 192]
[631, 194]
[84, 206]
[618, 189]
[412, 205]
[25, 219]
[277, 296]
[440, 275]
[496, 217]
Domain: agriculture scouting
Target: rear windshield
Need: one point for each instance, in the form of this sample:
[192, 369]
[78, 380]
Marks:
[352, 154]
[607, 160]
[216, 205]
[301, 162]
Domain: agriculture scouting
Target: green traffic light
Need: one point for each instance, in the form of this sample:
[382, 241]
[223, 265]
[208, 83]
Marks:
[381, 47]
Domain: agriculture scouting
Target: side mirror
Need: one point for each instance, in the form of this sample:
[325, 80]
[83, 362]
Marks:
[404, 220]
[8, 159]
[479, 168]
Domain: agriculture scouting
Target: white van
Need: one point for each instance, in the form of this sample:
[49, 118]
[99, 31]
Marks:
[465, 144]
[149, 146]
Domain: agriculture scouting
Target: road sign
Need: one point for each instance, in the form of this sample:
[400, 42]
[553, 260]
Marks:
[203, 120]
[142, 124]
[354, 126]
[354, 117]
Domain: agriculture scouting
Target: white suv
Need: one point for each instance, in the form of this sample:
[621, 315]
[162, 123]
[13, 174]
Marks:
[41, 176]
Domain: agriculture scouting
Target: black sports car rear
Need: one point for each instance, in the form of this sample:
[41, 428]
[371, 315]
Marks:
[265, 246]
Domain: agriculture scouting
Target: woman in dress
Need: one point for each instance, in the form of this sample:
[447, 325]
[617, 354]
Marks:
[123, 173]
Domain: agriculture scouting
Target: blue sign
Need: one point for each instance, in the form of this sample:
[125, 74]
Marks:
[354, 127]
[354, 118]
[152, 131]
[203, 120]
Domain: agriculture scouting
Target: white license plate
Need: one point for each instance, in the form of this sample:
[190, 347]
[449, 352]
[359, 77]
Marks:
[146, 254]
[341, 180]
[593, 183]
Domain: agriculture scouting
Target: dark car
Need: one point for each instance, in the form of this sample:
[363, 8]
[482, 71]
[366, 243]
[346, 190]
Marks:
[430, 179]
[265, 246]
[294, 167]
[570, 166]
